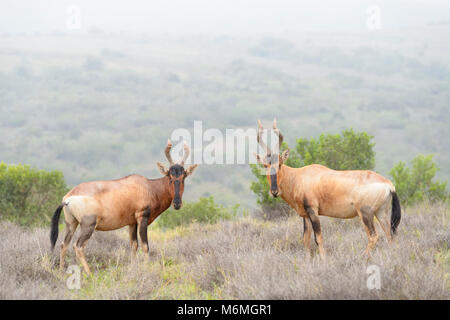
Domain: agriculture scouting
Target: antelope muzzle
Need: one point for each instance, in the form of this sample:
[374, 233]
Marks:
[273, 182]
[177, 203]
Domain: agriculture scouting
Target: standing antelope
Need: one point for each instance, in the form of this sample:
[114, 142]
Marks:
[132, 201]
[316, 190]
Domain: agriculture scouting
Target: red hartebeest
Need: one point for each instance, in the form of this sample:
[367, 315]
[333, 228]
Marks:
[132, 201]
[316, 190]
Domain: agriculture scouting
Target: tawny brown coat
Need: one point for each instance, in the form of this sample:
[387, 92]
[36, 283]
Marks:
[316, 190]
[132, 201]
[338, 194]
[120, 202]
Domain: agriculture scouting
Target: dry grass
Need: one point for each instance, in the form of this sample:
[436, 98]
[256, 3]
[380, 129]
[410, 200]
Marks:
[244, 259]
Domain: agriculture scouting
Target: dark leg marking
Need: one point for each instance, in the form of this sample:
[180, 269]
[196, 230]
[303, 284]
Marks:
[367, 218]
[70, 231]
[313, 216]
[87, 228]
[133, 233]
[315, 238]
[87, 225]
[132, 230]
[305, 229]
[143, 229]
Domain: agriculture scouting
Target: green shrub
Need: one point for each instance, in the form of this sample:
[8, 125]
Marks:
[349, 150]
[205, 210]
[29, 196]
[416, 184]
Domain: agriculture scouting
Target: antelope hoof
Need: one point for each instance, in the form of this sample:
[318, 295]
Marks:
[367, 253]
[322, 254]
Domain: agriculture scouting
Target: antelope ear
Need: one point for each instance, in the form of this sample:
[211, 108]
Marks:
[191, 169]
[285, 155]
[162, 168]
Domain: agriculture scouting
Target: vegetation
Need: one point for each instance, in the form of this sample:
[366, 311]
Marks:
[205, 210]
[416, 184]
[349, 150]
[238, 259]
[29, 196]
[101, 106]
[354, 151]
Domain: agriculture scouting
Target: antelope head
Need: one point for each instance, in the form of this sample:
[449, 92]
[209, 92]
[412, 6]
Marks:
[176, 174]
[272, 161]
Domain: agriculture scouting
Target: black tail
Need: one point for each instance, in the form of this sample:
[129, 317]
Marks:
[55, 226]
[396, 212]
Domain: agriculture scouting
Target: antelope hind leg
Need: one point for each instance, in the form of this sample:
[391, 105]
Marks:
[367, 216]
[87, 225]
[70, 230]
[307, 230]
[383, 219]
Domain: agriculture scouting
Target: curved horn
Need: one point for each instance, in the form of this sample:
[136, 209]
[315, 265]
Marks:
[186, 153]
[168, 156]
[259, 138]
[278, 132]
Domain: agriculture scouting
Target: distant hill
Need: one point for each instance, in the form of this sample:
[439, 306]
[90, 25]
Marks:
[100, 106]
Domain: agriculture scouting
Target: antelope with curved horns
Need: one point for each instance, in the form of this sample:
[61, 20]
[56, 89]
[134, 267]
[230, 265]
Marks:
[132, 201]
[316, 190]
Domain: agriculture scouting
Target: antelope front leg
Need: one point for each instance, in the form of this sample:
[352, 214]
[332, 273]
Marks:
[143, 224]
[132, 230]
[312, 213]
[307, 230]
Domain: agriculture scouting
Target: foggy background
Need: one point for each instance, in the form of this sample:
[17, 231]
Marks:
[218, 16]
[99, 101]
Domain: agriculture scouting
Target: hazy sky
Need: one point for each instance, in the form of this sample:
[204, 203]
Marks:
[224, 16]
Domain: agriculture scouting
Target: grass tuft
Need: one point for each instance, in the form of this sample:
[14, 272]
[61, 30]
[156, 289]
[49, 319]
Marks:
[248, 258]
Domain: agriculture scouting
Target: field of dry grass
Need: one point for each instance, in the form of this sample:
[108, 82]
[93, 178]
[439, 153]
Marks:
[243, 259]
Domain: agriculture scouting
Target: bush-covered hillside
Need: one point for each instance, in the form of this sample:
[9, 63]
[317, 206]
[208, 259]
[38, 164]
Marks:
[100, 106]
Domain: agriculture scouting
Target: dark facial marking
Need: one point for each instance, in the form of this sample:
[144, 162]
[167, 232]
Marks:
[177, 173]
[273, 181]
[177, 198]
[272, 159]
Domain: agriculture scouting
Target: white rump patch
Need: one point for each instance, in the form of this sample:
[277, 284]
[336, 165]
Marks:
[79, 206]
